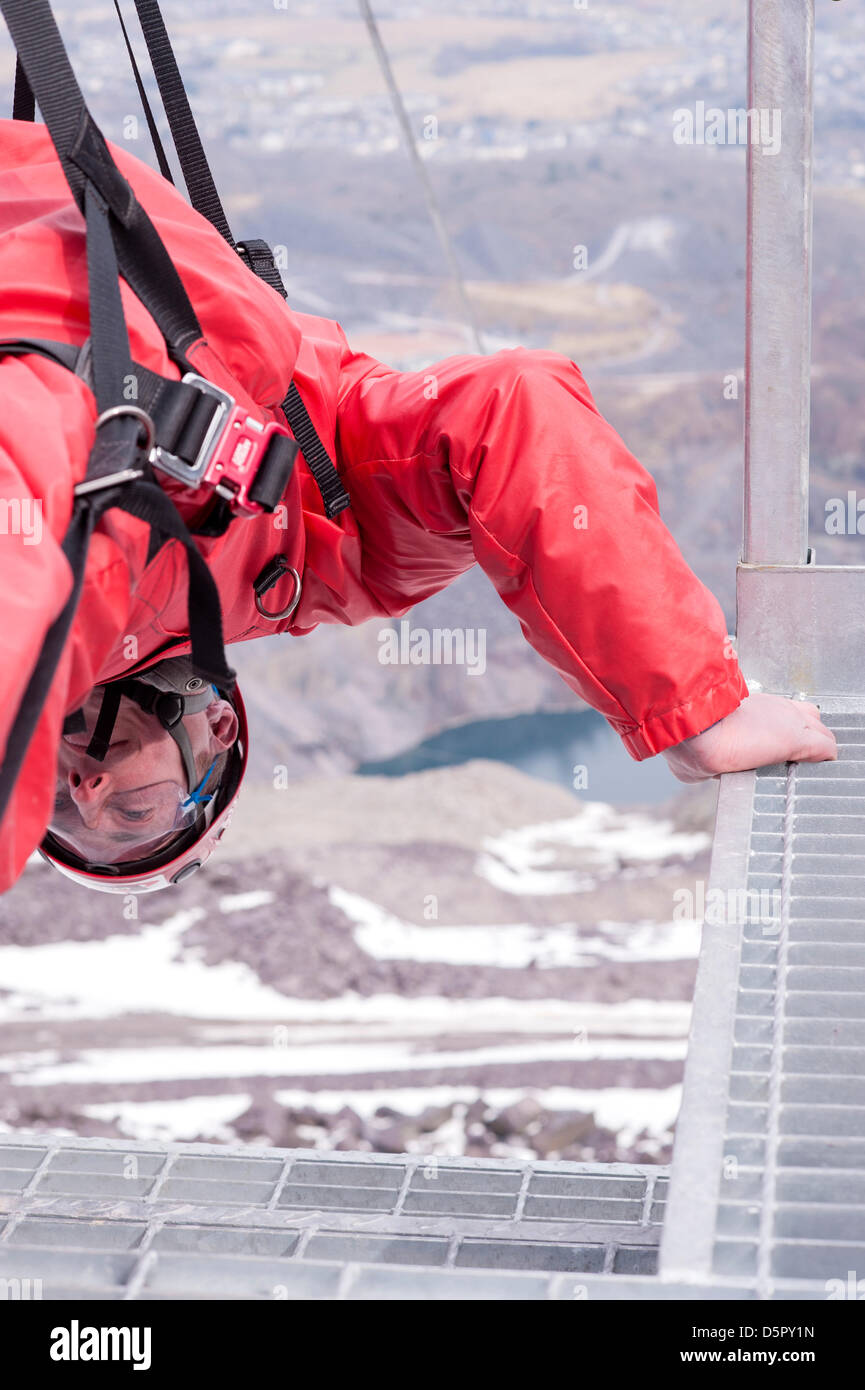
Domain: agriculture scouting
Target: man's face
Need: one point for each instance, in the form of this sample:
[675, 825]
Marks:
[129, 805]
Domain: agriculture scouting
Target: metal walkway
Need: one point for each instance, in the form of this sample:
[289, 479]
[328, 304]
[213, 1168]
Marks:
[769, 1167]
[110, 1220]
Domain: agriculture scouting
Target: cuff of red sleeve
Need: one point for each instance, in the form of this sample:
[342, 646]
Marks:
[692, 717]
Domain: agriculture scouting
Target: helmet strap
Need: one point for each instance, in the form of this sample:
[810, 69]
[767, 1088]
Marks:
[181, 738]
[75, 723]
[100, 739]
[167, 707]
[197, 794]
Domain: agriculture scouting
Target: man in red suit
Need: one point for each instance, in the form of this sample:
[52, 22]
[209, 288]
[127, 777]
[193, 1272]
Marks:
[502, 461]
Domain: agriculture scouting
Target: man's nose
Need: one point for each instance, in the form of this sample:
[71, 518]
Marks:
[89, 791]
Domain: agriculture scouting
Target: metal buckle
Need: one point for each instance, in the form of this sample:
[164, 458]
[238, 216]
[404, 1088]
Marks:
[123, 475]
[193, 473]
[231, 453]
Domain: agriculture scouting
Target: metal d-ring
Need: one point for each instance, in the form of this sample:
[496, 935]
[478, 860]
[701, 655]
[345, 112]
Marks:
[124, 475]
[141, 415]
[289, 608]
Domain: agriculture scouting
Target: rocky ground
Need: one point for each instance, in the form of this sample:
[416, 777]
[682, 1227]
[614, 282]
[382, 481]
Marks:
[458, 961]
[477, 1129]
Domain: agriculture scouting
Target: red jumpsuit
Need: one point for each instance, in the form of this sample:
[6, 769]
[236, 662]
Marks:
[476, 459]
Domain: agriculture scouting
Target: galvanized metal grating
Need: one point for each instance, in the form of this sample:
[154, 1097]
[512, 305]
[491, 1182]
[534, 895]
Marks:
[90, 1219]
[781, 1196]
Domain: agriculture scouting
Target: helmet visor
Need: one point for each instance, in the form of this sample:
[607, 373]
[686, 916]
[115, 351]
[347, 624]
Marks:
[128, 825]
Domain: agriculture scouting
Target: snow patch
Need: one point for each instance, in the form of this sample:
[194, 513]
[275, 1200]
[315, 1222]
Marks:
[166, 1121]
[513, 946]
[110, 1066]
[244, 902]
[151, 971]
[523, 861]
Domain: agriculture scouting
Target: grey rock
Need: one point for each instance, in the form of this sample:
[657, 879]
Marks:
[566, 1129]
[393, 1139]
[347, 1118]
[433, 1116]
[515, 1118]
[307, 1115]
[479, 1110]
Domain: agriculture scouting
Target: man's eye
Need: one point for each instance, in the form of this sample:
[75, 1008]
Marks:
[136, 815]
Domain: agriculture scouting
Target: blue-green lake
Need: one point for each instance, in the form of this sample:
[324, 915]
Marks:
[545, 745]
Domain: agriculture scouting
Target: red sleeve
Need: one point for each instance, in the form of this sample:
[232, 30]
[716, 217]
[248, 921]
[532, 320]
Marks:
[45, 425]
[505, 460]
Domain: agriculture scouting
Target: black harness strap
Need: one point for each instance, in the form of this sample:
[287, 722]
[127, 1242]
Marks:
[182, 415]
[255, 253]
[118, 473]
[75, 546]
[259, 258]
[100, 739]
[23, 100]
[112, 363]
[147, 501]
[159, 148]
[142, 258]
[190, 152]
[65, 353]
[319, 462]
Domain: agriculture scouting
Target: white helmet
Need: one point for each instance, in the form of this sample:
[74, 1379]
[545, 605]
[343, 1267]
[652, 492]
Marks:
[169, 690]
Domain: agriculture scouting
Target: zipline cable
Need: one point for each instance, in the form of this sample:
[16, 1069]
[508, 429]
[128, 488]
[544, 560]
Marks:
[438, 222]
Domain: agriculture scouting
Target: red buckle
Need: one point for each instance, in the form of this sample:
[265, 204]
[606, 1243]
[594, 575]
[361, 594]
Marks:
[236, 457]
[230, 454]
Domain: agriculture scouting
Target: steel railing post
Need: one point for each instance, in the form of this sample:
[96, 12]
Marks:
[778, 304]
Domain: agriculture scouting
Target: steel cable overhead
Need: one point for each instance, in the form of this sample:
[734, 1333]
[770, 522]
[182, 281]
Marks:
[438, 222]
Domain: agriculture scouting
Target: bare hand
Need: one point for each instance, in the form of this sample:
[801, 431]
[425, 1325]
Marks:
[764, 729]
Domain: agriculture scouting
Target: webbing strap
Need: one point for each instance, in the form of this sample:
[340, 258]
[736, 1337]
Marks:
[159, 148]
[190, 152]
[112, 363]
[23, 100]
[84, 155]
[66, 354]
[100, 739]
[259, 258]
[75, 547]
[256, 253]
[146, 500]
[181, 413]
[115, 225]
[319, 462]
